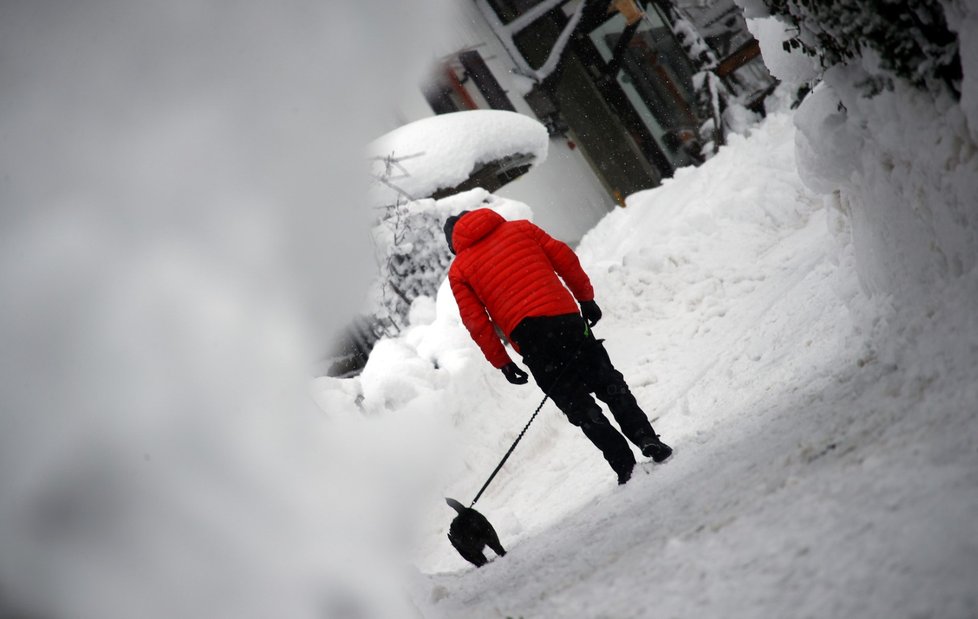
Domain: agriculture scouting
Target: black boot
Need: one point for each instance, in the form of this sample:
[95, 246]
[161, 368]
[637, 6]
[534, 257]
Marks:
[653, 448]
[612, 444]
[625, 473]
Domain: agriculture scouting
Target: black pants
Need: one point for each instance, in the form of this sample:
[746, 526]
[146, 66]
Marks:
[569, 365]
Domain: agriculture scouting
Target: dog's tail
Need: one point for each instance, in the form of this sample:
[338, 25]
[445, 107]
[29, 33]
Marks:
[455, 505]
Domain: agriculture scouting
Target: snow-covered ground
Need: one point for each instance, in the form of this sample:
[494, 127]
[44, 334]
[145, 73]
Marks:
[826, 460]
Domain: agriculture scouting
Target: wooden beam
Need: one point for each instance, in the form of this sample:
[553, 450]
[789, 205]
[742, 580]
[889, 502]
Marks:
[619, 52]
[744, 54]
[459, 89]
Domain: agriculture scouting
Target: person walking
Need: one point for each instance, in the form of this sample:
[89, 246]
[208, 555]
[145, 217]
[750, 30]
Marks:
[513, 277]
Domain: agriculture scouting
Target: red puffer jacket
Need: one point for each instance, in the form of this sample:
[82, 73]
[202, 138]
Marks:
[505, 271]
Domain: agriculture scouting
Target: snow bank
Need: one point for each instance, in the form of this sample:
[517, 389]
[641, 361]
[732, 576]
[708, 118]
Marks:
[903, 163]
[816, 429]
[824, 443]
[442, 151]
[677, 214]
[906, 170]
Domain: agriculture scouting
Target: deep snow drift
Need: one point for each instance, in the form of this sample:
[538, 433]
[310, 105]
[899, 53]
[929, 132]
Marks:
[825, 455]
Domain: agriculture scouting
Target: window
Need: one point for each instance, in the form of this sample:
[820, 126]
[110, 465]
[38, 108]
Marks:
[465, 82]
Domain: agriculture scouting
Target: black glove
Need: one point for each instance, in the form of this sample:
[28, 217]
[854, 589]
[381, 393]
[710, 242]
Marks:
[514, 374]
[591, 312]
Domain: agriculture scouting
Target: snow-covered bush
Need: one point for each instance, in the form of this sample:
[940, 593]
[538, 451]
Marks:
[890, 136]
[412, 263]
[412, 252]
[413, 257]
[909, 40]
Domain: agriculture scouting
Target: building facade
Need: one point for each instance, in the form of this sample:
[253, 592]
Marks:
[620, 84]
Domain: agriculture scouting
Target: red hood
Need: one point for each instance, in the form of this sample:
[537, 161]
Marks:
[473, 227]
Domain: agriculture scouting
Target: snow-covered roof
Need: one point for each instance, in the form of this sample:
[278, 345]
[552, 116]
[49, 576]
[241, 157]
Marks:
[442, 151]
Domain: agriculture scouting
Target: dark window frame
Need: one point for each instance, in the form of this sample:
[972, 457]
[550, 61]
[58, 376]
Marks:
[481, 75]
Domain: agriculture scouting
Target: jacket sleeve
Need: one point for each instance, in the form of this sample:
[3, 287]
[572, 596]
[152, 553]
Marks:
[565, 262]
[476, 320]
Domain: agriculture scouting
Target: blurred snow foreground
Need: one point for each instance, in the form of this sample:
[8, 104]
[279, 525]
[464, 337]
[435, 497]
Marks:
[178, 233]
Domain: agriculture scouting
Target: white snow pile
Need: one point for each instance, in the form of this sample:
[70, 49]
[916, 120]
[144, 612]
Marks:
[905, 169]
[440, 152]
[901, 163]
[825, 447]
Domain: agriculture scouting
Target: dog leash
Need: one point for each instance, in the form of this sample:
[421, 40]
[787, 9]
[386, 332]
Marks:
[546, 397]
[508, 453]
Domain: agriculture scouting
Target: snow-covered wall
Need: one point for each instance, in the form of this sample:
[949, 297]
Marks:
[905, 169]
[903, 163]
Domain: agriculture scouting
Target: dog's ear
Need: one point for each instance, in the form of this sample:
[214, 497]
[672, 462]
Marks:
[455, 505]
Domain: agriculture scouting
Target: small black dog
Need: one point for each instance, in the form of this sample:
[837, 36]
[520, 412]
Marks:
[470, 533]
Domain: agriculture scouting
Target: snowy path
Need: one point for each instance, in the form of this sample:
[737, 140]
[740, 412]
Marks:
[814, 475]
